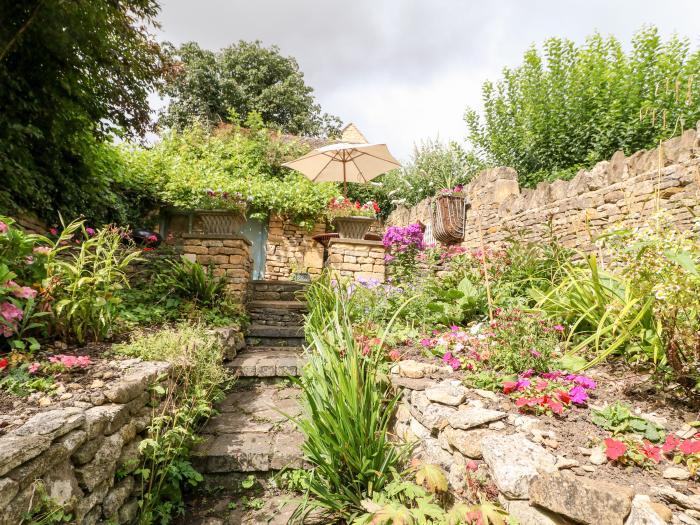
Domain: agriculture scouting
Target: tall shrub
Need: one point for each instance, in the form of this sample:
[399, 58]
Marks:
[569, 106]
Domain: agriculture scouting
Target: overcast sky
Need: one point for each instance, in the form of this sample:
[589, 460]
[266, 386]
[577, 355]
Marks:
[404, 70]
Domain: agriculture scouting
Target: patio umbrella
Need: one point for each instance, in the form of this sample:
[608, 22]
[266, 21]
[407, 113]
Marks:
[345, 163]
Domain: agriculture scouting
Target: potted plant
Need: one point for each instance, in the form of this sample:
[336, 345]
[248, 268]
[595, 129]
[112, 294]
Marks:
[221, 212]
[351, 220]
[449, 213]
[299, 272]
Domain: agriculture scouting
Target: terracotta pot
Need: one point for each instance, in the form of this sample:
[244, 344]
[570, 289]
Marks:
[449, 214]
[352, 227]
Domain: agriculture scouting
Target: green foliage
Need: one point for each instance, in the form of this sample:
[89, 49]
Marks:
[186, 402]
[85, 281]
[348, 407]
[19, 382]
[619, 419]
[433, 166]
[572, 106]
[190, 280]
[44, 510]
[216, 87]
[72, 74]
[184, 165]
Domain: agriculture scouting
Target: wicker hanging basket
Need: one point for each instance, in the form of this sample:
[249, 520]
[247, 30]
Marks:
[449, 214]
[352, 227]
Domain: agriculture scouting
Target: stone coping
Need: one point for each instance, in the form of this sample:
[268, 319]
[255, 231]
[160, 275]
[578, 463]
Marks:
[361, 242]
[225, 236]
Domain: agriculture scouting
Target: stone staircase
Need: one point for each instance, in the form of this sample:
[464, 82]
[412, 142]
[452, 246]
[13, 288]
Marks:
[252, 433]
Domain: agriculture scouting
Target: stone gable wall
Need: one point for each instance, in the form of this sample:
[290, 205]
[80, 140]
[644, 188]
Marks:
[357, 259]
[622, 190]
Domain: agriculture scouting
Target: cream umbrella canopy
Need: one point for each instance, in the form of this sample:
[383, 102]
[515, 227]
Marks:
[345, 162]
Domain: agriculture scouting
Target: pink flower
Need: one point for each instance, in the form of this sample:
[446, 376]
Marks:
[10, 312]
[152, 238]
[558, 328]
[690, 446]
[535, 353]
[651, 452]
[395, 355]
[671, 443]
[427, 343]
[53, 231]
[90, 231]
[3, 227]
[29, 259]
[70, 361]
[24, 292]
[472, 465]
[522, 384]
[509, 386]
[42, 250]
[34, 367]
[585, 382]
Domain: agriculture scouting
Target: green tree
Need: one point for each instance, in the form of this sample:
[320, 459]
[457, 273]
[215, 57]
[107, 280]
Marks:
[433, 166]
[571, 106]
[72, 75]
[218, 87]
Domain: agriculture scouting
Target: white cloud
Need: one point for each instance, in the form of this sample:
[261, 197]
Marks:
[404, 70]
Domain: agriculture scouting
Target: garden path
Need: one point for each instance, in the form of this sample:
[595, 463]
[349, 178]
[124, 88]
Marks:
[252, 435]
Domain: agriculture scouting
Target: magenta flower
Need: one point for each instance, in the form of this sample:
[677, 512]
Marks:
[522, 384]
[535, 353]
[426, 343]
[53, 231]
[578, 395]
[558, 328]
[90, 231]
[585, 382]
[3, 227]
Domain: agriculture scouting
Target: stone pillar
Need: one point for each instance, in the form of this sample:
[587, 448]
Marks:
[357, 258]
[228, 254]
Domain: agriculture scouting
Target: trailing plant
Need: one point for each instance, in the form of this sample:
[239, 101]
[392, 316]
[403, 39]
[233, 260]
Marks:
[85, 281]
[196, 381]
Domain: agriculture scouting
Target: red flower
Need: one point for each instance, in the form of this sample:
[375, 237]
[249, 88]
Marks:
[3, 363]
[550, 403]
[671, 443]
[509, 386]
[651, 452]
[614, 449]
[563, 397]
[690, 446]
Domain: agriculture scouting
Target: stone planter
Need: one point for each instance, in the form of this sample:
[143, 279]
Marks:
[449, 214]
[352, 227]
[220, 222]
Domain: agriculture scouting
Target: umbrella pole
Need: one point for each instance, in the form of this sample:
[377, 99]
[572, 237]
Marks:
[345, 181]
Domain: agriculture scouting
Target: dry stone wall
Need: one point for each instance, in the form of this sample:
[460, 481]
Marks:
[289, 244]
[76, 451]
[622, 190]
[357, 259]
[465, 430]
[229, 254]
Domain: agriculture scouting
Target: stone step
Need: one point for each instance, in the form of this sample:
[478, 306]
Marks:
[252, 433]
[275, 335]
[277, 290]
[268, 362]
[277, 313]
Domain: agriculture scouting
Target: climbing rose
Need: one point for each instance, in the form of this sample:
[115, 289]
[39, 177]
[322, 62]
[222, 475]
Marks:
[614, 449]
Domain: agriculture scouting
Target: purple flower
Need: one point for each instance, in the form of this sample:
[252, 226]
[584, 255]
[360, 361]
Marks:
[578, 395]
[585, 382]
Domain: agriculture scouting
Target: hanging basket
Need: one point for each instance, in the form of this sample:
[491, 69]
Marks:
[449, 214]
[352, 227]
[221, 222]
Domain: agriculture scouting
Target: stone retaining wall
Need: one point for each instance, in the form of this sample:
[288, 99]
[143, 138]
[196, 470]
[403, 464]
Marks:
[357, 258]
[288, 243]
[624, 189]
[463, 429]
[229, 254]
[77, 451]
